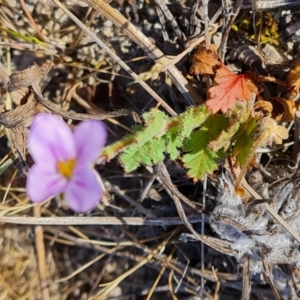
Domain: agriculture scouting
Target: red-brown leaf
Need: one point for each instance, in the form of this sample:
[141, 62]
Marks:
[230, 87]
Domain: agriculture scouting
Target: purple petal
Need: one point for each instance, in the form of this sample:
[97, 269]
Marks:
[43, 182]
[83, 191]
[90, 137]
[50, 140]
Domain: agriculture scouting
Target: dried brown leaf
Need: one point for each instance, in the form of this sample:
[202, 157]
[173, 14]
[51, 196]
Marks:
[280, 109]
[21, 115]
[18, 119]
[289, 109]
[204, 60]
[293, 80]
[271, 132]
[264, 106]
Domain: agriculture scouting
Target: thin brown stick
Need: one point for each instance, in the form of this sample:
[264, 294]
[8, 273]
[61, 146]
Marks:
[40, 251]
[164, 178]
[80, 34]
[246, 279]
[152, 51]
[171, 275]
[104, 293]
[271, 211]
[268, 273]
[222, 48]
[175, 265]
[34, 25]
[86, 265]
[173, 23]
[72, 115]
[108, 221]
[218, 284]
[117, 59]
[219, 245]
[134, 203]
[190, 47]
[9, 290]
[164, 266]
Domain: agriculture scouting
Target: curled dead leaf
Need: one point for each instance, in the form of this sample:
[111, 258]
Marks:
[289, 109]
[264, 106]
[18, 119]
[280, 109]
[19, 116]
[204, 60]
[293, 80]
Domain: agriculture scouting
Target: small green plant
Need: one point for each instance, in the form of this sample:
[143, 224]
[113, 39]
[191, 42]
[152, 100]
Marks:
[196, 137]
[202, 136]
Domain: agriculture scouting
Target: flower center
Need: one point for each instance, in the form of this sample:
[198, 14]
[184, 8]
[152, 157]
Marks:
[66, 168]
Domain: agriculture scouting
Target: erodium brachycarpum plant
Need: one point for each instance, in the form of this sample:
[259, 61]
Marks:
[196, 137]
[226, 126]
[64, 161]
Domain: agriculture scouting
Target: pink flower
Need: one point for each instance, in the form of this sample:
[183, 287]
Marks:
[64, 161]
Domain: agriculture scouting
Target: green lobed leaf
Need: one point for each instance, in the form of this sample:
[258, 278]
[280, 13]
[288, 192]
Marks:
[240, 114]
[200, 159]
[155, 126]
[181, 128]
[193, 118]
[150, 153]
[161, 135]
[149, 145]
[224, 140]
[245, 140]
[173, 142]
